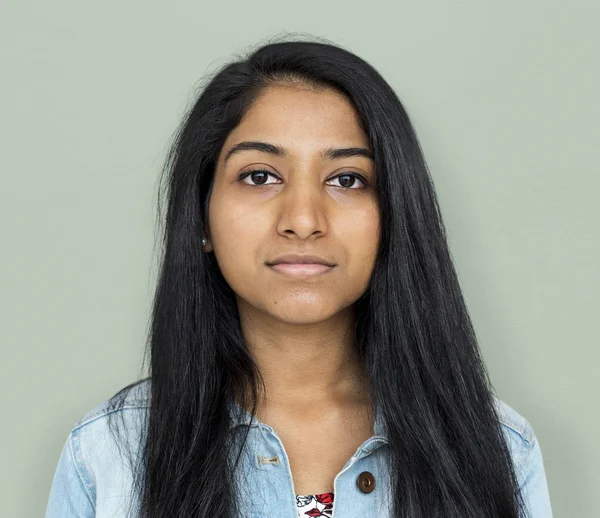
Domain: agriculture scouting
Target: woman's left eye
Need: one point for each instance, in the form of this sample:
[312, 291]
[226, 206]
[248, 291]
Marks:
[352, 177]
[346, 179]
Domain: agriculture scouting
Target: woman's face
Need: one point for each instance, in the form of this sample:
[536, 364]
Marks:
[299, 203]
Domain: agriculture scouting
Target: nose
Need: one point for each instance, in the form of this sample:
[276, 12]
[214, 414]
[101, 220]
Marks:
[302, 207]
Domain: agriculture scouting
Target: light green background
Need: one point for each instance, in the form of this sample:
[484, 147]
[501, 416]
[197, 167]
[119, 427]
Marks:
[505, 99]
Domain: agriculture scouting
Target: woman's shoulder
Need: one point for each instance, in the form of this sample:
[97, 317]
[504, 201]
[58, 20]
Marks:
[91, 478]
[97, 438]
[514, 423]
[527, 456]
[521, 440]
[129, 401]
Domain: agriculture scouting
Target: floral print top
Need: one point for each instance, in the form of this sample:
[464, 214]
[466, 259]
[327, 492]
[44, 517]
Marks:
[314, 505]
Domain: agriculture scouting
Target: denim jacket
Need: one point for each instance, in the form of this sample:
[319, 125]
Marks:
[92, 480]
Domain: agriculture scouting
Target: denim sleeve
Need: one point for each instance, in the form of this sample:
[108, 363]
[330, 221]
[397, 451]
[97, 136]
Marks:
[533, 482]
[70, 497]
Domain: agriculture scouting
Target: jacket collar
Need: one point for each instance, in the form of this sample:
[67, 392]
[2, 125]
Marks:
[240, 416]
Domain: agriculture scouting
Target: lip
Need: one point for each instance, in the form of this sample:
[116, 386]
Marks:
[300, 259]
[301, 269]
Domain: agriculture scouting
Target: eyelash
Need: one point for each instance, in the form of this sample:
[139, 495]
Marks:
[248, 173]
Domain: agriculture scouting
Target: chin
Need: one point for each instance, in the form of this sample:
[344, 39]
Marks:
[299, 313]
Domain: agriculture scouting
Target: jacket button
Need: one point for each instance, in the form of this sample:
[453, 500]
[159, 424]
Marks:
[365, 482]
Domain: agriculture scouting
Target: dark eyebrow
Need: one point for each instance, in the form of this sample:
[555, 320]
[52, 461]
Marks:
[272, 149]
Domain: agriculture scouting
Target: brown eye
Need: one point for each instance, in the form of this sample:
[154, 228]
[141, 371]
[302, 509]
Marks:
[348, 180]
[259, 176]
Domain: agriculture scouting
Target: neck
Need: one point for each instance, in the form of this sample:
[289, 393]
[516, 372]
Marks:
[305, 365]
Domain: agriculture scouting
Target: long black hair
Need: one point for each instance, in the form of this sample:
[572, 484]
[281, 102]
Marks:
[447, 456]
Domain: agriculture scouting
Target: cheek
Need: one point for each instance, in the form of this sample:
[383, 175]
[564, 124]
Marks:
[236, 235]
[361, 233]
[362, 243]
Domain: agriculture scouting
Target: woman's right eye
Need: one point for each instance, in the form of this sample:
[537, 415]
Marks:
[258, 175]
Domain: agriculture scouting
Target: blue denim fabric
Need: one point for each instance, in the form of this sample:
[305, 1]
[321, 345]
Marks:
[91, 479]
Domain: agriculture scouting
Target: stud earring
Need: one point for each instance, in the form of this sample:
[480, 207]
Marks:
[204, 241]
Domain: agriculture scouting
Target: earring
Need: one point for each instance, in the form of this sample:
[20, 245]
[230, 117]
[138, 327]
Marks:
[204, 241]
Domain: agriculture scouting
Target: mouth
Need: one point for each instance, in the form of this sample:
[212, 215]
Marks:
[301, 269]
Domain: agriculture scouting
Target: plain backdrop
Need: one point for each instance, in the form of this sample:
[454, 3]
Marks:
[504, 97]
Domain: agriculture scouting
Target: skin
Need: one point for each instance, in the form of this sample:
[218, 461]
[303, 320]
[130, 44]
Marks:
[300, 330]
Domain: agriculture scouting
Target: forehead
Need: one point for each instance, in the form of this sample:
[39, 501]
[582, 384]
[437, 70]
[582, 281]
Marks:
[301, 120]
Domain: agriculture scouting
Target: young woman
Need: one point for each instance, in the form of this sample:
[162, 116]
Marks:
[310, 350]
